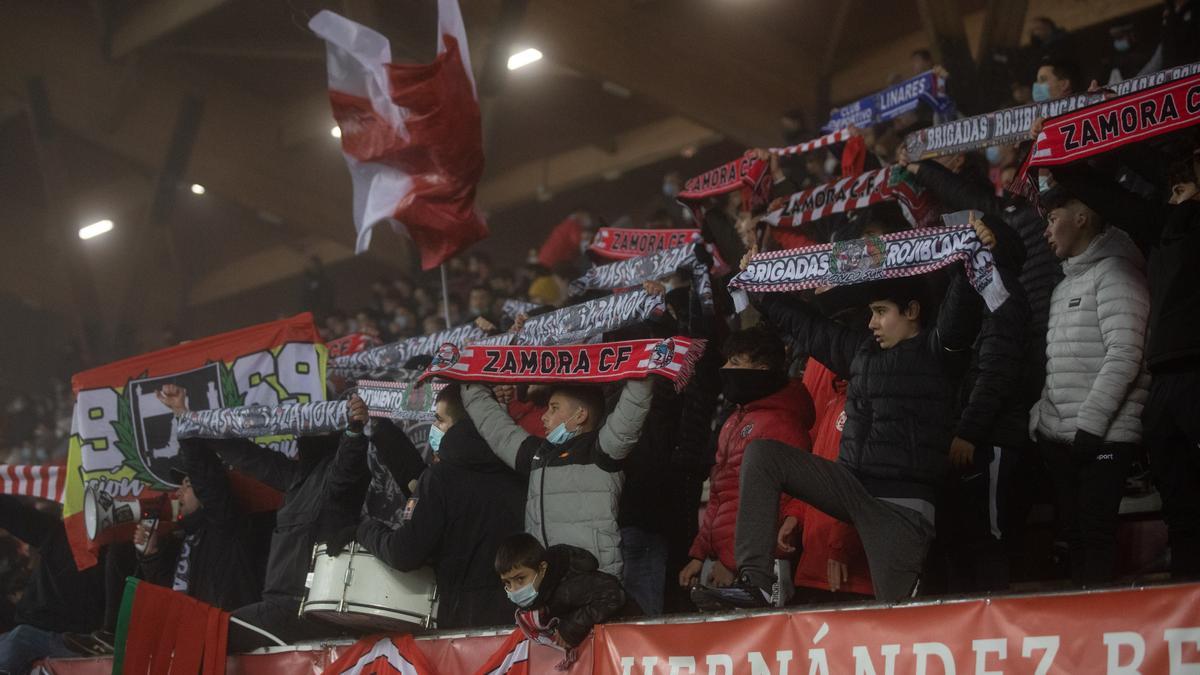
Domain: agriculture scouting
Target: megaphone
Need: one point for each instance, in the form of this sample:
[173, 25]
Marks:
[102, 511]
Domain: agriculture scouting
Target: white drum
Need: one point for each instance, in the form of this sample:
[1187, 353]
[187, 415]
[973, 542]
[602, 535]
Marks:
[355, 589]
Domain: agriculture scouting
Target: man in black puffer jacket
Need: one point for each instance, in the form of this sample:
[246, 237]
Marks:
[322, 493]
[1040, 272]
[991, 436]
[892, 458]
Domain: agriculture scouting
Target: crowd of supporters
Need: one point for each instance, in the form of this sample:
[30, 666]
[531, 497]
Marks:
[877, 441]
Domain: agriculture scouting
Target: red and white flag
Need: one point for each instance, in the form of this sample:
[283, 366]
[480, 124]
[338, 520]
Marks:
[512, 658]
[411, 133]
[32, 480]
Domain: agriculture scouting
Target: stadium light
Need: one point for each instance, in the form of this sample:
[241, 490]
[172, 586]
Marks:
[524, 58]
[198, 189]
[95, 229]
[336, 131]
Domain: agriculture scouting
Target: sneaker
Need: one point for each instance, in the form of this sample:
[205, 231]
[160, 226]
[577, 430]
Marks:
[743, 594]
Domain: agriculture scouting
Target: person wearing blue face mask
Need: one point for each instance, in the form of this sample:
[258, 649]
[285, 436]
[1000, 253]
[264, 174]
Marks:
[463, 507]
[575, 476]
[1056, 78]
[563, 584]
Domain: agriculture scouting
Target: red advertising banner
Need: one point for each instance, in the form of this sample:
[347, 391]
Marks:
[1149, 631]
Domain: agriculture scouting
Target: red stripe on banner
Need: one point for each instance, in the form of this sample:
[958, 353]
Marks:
[224, 347]
[8, 480]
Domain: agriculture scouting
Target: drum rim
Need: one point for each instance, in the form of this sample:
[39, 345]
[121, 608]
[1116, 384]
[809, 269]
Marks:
[315, 605]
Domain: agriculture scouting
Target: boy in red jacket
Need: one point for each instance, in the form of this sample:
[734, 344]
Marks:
[832, 565]
[769, 406]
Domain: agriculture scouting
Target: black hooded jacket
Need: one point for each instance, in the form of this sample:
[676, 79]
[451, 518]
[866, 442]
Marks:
[1039, 273]
[578, 594]
[994, 409]
[220, 566]
[464, 505]
[323, 492]
[59, 597]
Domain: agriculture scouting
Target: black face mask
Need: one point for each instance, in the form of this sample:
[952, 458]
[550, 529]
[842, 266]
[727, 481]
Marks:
[743, 385]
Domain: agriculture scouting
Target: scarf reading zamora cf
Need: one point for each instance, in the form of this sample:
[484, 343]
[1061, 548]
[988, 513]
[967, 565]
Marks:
[747, 174]
[849, 194]
[579, 323]
[892, 256]
[253, 421]
[892, 102]
[392, 357]
[1116, 122]
[1011, 125]
[618, 243]
[673, 358]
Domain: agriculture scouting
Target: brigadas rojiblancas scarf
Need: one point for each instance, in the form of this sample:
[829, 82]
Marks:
[892, 256]
[1011, 125]
[673, 358]
[1110, 124]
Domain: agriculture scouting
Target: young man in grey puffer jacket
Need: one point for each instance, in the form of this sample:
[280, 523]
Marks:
[1088, 421]
[575, 477]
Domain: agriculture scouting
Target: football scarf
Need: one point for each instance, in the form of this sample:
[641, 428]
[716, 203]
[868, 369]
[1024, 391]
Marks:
[673, 358]
[747, 174]
[849, 194]
[512, 658]
[1116, 122]
[839, 136]
[538, 626]
[378, 654]
[400, 400]
[618, 243]
[893, 102]
[253, 421]
[392, 357]
[513, 307]
[632, 272]
[892, 256]
[351, 344]
[1011, 125]
[578, 323]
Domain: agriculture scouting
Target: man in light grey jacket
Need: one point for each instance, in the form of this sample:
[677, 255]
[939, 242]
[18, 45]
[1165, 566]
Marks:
[574, 473]
[1088, 421]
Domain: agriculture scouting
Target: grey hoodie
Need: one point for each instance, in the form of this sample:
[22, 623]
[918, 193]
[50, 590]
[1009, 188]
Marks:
[1096, 377]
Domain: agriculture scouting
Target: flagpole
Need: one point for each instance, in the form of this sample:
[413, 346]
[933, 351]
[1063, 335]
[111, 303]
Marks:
[445, 296]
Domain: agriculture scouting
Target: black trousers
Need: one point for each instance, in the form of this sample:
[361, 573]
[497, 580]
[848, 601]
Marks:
[980, 521]
[1088, 491]
[1171, 423]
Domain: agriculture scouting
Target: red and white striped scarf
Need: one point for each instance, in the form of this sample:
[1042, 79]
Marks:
[850, 194]
[839, 136]
[673, 358]
[32, 480]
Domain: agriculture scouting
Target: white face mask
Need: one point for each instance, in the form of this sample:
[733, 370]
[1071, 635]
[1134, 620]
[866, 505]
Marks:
[833, 166]
[523, 596]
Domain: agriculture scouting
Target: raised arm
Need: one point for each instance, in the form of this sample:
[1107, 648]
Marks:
[623, 426]
[262, 464]
[824, 340]
[953, 191]
[959, 316]
[504, 436]
[1003, 340]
